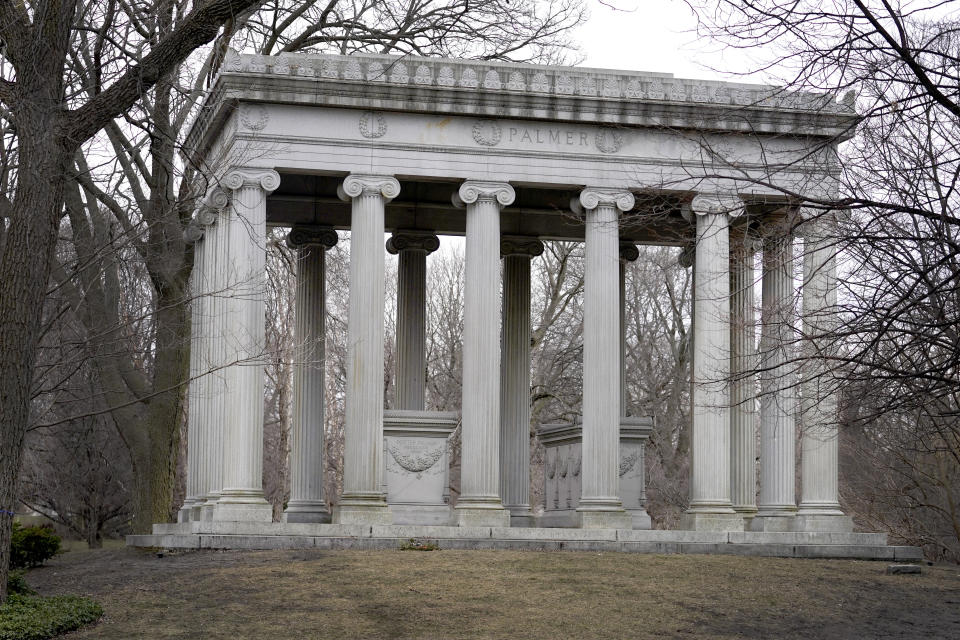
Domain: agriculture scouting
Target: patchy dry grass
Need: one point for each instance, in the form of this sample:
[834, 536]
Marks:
[499, 594]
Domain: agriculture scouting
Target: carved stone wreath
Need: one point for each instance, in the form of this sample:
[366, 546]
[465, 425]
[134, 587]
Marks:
[627, 463]
[487, 133]
[254, 116]
[416, 463]
[372, 124]
[609, 140]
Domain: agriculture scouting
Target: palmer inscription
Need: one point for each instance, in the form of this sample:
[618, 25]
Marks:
[489, 133]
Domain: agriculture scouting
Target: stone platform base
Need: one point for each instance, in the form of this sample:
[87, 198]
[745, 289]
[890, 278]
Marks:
[255, 535]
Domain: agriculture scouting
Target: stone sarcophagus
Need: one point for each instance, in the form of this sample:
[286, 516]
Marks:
[417, 465]
[562, 466]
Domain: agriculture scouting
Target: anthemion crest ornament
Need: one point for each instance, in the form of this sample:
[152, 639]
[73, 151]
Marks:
[609, 140]
[372, 124]
[254, 116]
[487, 132]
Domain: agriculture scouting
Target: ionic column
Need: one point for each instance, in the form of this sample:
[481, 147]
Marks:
[195, 397]
[306, 502]
[600, 506]
[743, 393]
[710, 505]
[638, 515]
[413, 247]
[479, 503]
[778, 421]
[819, 489]
[363, 500]
[515, 378]
[216, 387]
[628, 253]
[241, 497]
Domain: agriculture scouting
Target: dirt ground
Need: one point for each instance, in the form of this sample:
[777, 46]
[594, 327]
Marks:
[499, 594]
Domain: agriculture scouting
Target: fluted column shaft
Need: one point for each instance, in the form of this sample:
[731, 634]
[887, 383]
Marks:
[710, 504]
[600, 505]
[628, 253]
[307, 502]
[743, 394]
[819, 505]
[196, 399]
[515, 377]
[480, 503]
[777, 379]
[216, 387]
[242, 495]
[363, 500]
[412, 249]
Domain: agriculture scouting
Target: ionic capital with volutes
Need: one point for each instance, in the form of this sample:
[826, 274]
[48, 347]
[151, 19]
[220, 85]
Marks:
[413, 241]
[593, 197]
[473, 191]
[717, 203]
[266, 179]
[356, 184]
[304, 237]
[523, 246]
[629, 251]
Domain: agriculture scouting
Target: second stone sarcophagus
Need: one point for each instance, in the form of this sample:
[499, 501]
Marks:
[562, 466]
[417, 465]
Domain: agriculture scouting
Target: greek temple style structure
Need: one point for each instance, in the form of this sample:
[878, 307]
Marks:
[509, 155]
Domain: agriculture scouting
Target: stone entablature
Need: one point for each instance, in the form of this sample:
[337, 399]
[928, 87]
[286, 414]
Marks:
[495, 91]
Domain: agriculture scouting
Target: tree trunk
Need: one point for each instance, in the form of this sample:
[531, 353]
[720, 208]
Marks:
[24, 272]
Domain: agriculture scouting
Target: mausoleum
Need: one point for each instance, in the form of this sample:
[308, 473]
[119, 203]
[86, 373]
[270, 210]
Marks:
[508, 156]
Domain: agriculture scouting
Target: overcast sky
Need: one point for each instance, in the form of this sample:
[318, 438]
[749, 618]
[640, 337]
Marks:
[653, 35]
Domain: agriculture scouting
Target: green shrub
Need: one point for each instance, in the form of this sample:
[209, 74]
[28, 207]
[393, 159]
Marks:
[32, 546]
[37, 618]
[17, 584]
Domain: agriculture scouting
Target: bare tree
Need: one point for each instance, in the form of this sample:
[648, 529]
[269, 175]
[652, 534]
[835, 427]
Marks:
[49, 122]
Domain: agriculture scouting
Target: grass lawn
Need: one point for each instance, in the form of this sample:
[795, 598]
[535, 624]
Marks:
[499, 594]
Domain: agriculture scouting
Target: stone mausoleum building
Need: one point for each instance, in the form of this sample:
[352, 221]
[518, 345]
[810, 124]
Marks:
[510, 155]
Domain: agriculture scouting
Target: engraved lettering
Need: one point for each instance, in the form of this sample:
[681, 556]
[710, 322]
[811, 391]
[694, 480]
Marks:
[513, 133]
[526, 136]
[570, 137]
[583, 139]
[539, 139]
[555, 136]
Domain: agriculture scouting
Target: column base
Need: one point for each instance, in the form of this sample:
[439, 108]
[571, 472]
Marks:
[608, 519]
[242, 506]
[823, 523]
[772, 522]
[640, 519]
[480, 512]
[716, 522]
[520, 515]
[362, 511]
[186, 512]
[306, 511]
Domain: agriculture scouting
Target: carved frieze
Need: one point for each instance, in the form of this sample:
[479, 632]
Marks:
[416, 460]
[254, 116]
